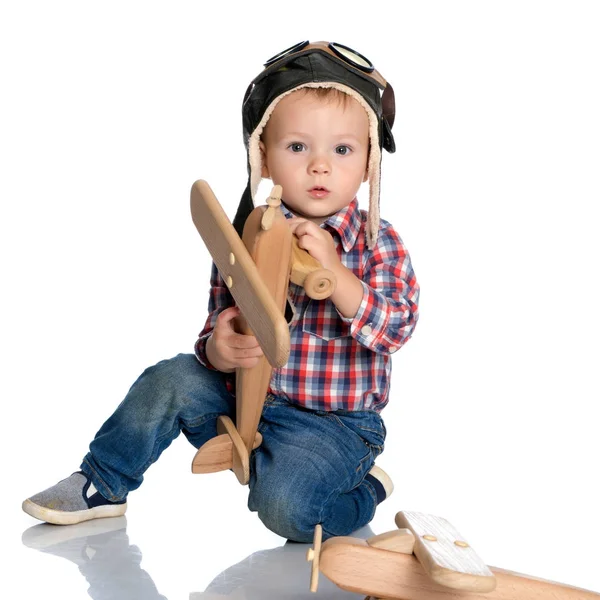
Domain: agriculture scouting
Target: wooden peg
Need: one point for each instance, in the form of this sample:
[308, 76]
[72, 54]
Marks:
[273, 203]
[274, 199]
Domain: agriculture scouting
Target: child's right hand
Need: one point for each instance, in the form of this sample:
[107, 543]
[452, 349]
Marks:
[226, 349]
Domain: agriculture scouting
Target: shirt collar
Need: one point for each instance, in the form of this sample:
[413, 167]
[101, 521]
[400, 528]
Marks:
[346, 223]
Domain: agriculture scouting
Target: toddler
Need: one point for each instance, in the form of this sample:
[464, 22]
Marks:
[315, 121]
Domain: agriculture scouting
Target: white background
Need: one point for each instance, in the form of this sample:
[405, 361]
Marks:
[110, 111]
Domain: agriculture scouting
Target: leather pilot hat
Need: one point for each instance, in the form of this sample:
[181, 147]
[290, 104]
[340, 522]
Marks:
[318, 64]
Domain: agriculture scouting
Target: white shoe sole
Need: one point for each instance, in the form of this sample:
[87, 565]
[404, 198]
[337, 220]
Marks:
[63, 517]
[384, 478]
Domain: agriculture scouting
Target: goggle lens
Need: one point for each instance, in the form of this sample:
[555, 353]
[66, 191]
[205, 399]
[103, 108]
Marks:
[353, 57]
[290, 50]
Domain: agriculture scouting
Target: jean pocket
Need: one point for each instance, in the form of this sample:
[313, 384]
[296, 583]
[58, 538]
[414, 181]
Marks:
[367, 424]
[322, 320]
[272, 400]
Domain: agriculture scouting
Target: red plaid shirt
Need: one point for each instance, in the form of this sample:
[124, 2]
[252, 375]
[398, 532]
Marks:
[337, 362]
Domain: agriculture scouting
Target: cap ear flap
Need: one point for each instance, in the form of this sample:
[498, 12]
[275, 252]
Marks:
[388, 104]
[248, 91]
[386, 137]
[388, 108]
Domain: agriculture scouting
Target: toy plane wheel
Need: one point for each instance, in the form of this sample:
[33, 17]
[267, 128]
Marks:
[313, 555]
[320, 284]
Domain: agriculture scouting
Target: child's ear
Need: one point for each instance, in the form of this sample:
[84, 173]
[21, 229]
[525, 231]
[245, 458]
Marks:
[366, 175]
[263, 161]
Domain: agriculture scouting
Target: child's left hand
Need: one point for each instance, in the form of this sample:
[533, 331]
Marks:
[316, 241]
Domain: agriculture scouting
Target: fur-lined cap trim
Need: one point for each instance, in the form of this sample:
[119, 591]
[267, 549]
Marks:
[373, 167]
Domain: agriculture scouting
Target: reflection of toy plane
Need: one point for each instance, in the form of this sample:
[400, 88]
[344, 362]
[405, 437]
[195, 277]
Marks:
[424, 559]
[257, 271]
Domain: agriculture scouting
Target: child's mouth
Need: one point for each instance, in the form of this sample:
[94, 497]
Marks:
[318, 191]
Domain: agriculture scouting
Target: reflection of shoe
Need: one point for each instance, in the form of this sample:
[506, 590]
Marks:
[103, 554]
[45, 536]
[72, 500]
[78, 543]
[382, 483]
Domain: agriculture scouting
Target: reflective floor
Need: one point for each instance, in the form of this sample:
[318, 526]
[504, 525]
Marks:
[110, 566]
[191, 537]
[196, 542]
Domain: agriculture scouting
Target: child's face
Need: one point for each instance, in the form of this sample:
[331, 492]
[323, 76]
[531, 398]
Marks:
[317, 150]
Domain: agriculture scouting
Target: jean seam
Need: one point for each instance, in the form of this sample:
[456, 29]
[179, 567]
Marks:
[342, 424]
[113, 497]
[152, 460]
[362, 460]
[371, 491]
[370, 447]
[201, 420]
[369, 429]
[373, 494]
[337, 491]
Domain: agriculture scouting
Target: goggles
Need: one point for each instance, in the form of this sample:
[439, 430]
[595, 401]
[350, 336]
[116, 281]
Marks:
[350, 58]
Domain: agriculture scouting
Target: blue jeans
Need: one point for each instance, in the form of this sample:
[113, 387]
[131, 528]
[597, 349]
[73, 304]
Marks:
[309, 469]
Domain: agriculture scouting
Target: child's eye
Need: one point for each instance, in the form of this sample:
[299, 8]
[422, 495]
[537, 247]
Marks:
[343, 150]
[296, 147]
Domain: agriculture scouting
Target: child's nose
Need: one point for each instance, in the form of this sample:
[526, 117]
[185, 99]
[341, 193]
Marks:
[319, 165]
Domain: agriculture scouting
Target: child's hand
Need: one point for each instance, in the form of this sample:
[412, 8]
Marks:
[227, 349]
[316, 241]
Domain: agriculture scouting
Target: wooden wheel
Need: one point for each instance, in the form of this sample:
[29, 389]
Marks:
[319, 284]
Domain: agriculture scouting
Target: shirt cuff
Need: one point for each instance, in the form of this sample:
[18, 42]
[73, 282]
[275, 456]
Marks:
[370, 323]
[200, 351]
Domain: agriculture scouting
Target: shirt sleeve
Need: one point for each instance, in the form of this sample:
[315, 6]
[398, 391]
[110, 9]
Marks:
[220, 298]
[388, 311]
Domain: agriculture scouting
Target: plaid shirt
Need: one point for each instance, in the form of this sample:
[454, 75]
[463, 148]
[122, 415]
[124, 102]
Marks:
[337, 362]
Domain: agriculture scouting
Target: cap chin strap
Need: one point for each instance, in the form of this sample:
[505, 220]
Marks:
[373, 167]
[245, 207]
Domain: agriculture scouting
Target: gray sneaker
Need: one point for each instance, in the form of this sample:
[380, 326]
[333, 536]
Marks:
[72, 500]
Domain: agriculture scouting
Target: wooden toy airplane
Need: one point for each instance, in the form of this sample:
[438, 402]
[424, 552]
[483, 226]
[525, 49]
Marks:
[257, 270]
[424, 559]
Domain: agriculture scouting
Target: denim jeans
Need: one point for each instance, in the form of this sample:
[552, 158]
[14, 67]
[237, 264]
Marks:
[309, 469]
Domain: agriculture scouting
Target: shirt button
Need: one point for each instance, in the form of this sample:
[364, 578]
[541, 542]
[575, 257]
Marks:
[393, 348]
[366, 330]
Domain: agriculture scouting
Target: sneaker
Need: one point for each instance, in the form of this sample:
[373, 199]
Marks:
[382, 483]
[72, 500]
